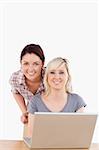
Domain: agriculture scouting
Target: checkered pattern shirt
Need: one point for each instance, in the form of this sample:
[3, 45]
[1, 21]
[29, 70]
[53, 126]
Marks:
[18, 85]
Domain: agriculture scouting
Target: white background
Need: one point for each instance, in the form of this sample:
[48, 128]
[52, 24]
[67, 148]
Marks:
[62, 28]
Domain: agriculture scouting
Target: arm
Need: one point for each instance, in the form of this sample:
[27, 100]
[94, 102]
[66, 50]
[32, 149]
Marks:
[80, 103]
[21, 103]
[80, 110]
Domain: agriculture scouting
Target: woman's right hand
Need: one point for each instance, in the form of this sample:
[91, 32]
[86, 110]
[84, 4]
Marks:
[24, 118]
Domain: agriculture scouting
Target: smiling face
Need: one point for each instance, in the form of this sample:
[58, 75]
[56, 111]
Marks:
[31, 66]
[57, 78]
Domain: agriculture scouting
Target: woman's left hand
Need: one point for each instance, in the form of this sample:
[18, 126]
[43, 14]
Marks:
[24, 118]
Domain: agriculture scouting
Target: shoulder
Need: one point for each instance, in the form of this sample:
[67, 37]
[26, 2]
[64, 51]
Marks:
[14, 78]
[77, 99]
[35, 101]
[74, 96]
[15, 74]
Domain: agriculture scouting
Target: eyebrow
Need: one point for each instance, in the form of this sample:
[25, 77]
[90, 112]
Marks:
[33, 61]
[57, 70]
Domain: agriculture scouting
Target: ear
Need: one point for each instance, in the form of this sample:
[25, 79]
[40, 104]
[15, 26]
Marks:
[43, 71]
[42, 64]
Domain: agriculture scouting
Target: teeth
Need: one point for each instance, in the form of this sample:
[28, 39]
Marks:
[56, 82]
[31, 74]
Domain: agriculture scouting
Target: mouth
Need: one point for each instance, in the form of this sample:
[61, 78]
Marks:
[56, 82]
[31, 73]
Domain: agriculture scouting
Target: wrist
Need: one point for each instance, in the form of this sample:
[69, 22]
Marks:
[25, 113]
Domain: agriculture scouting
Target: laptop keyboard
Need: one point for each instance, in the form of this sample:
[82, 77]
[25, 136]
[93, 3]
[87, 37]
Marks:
[28, 140]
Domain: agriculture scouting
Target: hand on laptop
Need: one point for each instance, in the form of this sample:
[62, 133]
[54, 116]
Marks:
[24, 117]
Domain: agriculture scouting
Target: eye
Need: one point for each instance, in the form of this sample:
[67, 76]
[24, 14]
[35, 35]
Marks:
[52, 72]
[61, 72]
[36, 64]
[25, 63]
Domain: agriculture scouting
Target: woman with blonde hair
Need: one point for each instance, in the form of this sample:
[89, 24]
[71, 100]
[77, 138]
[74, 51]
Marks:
[57, 96]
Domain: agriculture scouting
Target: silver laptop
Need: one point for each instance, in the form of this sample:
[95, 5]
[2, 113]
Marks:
[60, 130]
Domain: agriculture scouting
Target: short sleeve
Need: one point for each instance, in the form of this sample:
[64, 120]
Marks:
[80, 102]
[13, 83]
[32, 106]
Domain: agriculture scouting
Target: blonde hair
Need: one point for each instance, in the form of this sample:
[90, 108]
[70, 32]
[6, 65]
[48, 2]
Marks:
[53, 64]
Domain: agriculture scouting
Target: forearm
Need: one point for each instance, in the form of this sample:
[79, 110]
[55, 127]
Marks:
[21, 102]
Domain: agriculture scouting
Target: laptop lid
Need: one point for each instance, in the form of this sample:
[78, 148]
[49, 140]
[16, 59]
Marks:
[60, 130]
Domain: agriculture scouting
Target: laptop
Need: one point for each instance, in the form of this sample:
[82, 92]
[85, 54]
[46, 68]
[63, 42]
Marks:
[60, 130]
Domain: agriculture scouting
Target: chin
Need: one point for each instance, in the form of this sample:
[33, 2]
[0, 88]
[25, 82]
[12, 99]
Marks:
[31, 79]
[57, 88]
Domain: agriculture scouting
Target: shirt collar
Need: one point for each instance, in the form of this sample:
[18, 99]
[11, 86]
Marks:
[22, 82]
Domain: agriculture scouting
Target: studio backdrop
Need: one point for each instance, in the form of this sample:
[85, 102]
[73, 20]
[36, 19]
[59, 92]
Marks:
[67, 29]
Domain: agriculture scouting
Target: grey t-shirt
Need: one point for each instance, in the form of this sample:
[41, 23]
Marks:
[74, 102]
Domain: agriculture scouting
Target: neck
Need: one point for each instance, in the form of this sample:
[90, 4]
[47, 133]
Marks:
[36, 81]
[58, 94]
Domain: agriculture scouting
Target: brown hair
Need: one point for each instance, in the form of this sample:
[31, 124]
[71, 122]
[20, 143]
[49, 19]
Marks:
[33, 48]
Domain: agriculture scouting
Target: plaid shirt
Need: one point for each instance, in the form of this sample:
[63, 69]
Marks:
[18, 85]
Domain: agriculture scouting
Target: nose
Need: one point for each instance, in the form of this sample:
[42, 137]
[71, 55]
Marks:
[31, 68]
[57, 75]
